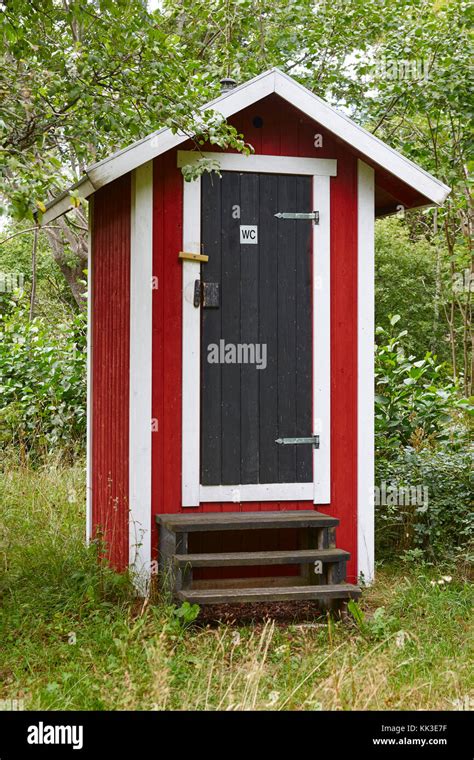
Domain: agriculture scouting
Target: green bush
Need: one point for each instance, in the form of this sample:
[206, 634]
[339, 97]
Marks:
[441, 524]
[42, 383]
[53, 297]
[416, 402]
[406, 275]
[422, 447]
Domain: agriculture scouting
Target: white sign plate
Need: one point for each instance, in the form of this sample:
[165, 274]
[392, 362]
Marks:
[248, 234]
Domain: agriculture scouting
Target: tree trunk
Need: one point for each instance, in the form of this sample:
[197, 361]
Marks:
[69, 248]
[437, 295]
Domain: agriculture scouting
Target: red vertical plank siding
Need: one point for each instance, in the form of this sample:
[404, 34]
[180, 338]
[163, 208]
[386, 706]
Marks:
[344, 356]
[173, 305]
[167, 334]
[110, 368]
[285, 132]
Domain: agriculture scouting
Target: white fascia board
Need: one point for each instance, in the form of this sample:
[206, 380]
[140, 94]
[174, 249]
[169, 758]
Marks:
[360, 139]
[62, 203]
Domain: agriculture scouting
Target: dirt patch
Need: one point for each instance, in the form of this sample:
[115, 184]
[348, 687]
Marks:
[283, 613]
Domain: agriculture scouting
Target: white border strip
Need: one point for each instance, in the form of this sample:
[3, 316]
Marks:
[258, 492]
[191, 347]
[89, 376]
[365, 360]
[141, 265]
[322, 341]
[235, 162]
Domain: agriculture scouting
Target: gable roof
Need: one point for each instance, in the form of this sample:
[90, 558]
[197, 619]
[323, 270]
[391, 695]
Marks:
[235, 100]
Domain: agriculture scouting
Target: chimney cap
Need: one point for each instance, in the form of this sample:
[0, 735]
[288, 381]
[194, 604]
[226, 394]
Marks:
[227, 83]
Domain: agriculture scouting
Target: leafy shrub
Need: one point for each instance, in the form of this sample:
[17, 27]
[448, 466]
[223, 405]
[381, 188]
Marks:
[42, 383]
[406, 275]
[422, 447]
[416, 402]
[441, 525]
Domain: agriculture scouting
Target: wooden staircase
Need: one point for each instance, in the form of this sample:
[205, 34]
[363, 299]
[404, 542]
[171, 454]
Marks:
[322, 566]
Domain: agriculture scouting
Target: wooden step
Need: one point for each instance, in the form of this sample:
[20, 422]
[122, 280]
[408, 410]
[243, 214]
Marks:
[241, 559]
[216, 521]
[265, 594]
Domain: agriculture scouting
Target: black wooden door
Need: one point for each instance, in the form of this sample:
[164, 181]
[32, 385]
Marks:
[261, 298]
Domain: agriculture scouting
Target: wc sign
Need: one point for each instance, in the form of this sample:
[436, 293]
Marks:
[248, 234]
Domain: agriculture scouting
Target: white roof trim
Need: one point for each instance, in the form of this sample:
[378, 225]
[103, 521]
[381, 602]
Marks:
[233, 101]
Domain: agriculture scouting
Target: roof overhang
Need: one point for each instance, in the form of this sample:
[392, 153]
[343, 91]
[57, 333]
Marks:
[230, 103]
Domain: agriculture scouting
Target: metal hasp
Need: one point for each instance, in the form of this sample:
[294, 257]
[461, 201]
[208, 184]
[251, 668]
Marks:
[311, 439]
[210, 295]
[206, 294]
[197, 294]
[312, 215]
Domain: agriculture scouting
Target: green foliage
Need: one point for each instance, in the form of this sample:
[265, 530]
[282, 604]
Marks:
[422, 441]
[439, 525]
[53, 298]
[80, 80]
[377, 626]
[406, 281]
[42, 379]
[356, 612]
[415, 399]
[187, 612]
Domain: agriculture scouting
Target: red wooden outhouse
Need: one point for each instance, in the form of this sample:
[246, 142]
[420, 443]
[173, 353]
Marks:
[231, 336]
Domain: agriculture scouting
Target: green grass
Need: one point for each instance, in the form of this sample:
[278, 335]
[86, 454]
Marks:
[74, 637]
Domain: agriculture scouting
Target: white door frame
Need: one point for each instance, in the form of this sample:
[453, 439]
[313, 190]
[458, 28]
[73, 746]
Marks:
[321, 169]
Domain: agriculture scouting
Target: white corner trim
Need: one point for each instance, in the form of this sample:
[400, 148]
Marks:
[236, 162]
[89, 376]
[191, 347]
[258, 492]
[365, 362]
[141, 249]
[322, 341]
